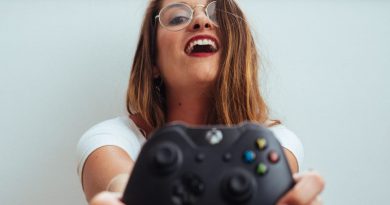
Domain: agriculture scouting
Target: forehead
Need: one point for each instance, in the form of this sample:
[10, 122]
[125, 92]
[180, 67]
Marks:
[192, 3]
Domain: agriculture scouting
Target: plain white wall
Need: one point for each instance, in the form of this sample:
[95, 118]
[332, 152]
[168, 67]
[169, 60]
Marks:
[64, 66]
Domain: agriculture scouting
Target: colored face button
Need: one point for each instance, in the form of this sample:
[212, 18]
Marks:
[273, 157]
[249, 156]
[261, 143]
[261, 169]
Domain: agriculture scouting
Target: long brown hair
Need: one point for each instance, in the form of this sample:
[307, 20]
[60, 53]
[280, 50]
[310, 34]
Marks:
[236, 96]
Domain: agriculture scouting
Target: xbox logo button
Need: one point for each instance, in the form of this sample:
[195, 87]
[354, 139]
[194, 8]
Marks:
[214, 136]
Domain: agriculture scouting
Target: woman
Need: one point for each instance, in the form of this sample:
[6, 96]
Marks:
[196, 62]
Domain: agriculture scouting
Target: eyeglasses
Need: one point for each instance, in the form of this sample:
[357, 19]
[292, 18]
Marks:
[177, 16]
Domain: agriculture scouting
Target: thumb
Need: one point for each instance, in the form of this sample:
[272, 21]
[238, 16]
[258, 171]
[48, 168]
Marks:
[107, 198]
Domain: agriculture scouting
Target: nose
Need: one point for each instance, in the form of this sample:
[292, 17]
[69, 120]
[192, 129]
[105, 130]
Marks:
[200, 21]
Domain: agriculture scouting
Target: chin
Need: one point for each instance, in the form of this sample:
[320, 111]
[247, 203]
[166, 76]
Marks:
[204, 75]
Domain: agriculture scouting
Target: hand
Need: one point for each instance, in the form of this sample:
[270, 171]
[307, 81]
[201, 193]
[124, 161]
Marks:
[306, 190]
[106, 198]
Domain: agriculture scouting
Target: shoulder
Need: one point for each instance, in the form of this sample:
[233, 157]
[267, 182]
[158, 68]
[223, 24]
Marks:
[289, 140]
[116, 125]
[116, 129]
[120, 131]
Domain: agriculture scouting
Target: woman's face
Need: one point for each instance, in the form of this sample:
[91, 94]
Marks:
[188, 57]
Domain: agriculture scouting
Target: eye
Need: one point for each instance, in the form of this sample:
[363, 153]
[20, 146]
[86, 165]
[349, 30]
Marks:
[178, 20]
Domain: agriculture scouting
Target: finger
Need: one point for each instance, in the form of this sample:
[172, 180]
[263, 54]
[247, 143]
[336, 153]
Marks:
[317, 201]
[106, 198]
[307, 188]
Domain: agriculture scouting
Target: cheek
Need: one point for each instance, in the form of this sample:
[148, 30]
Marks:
[169, 54]
[167, 45]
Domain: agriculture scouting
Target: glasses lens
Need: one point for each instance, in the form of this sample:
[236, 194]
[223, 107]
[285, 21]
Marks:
[212, 11]
[175, 16]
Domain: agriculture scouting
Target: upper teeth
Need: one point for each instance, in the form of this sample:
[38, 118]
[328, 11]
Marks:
[201, 42]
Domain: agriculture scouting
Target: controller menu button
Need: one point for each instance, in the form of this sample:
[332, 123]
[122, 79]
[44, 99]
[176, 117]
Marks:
[200, 157]
[261, 169]
[273, 157]
[249, 156]
[227, 157]
[261, 143]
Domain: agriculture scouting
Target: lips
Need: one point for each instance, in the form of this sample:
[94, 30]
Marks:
[201, 45]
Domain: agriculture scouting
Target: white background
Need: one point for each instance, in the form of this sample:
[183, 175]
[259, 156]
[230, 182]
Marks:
[64, 66]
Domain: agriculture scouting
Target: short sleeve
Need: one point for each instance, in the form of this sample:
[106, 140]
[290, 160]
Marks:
[290, 141]
[118, 132]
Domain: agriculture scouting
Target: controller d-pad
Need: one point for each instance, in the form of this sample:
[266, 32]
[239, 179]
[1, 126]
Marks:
[187, 189]
[193, 183]
[180, 196]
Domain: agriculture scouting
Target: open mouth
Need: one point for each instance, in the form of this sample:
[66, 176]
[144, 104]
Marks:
[201, 46]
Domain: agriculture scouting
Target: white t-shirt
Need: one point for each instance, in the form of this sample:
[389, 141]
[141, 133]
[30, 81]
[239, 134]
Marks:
[124, 133]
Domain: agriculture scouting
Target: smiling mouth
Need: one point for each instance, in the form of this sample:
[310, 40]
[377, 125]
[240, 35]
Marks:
[201, 46]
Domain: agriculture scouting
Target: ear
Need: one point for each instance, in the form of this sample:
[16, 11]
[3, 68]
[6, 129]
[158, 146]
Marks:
[156, 72]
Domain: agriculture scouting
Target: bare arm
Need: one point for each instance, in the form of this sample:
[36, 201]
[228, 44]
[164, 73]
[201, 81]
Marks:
[292, 161]
[106, 169]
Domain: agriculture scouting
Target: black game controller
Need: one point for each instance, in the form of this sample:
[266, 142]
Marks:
[216, 165]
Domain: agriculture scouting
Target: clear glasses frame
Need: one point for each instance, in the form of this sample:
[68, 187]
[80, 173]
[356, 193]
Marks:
[192, 9]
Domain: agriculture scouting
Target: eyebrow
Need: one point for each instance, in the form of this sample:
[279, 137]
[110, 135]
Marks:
[192, 6]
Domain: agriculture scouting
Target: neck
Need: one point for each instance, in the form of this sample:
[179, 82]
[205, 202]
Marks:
[189, 107]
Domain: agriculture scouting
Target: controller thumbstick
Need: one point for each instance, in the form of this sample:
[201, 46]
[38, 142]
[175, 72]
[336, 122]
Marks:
[238, 187]
[166, 158]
